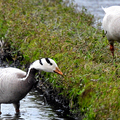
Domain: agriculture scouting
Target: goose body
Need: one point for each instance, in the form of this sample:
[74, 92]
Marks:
[11, 84]
[111, 25]
[15, 83]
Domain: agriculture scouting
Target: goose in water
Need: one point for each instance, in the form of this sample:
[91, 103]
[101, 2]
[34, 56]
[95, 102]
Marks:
[111, 25]
[15, 83]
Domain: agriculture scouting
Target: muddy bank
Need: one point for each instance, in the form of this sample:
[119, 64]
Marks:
[52, 97]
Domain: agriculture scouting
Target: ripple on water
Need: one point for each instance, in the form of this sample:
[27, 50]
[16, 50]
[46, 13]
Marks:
[32, 108]
[95, 6]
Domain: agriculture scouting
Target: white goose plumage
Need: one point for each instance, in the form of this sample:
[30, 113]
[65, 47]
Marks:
[15, 83]
[111, 25]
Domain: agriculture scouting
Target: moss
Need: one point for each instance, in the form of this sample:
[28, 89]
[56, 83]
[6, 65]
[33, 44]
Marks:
[51, 28]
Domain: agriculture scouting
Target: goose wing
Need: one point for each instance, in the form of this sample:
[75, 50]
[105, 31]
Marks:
[11, 73]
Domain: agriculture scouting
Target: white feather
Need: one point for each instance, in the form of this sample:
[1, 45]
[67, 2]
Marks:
[111, 9]
[111, 23]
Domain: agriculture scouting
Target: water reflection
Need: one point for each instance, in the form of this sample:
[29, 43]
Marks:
[32, 108]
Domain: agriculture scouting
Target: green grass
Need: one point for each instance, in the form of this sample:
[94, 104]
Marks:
[50, 28]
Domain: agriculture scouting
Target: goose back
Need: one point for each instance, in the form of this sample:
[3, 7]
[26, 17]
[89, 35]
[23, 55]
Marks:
[111, 23]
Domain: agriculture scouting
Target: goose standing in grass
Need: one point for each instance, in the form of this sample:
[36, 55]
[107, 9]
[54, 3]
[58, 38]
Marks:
[15, 83]
[111, 25]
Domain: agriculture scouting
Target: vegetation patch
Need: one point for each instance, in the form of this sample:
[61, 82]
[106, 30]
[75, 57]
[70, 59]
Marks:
[51, 28]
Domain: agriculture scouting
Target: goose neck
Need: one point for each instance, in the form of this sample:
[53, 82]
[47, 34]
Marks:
[30, 77]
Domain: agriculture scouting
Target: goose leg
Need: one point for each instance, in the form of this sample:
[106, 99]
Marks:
[17, 106]
[112, 48]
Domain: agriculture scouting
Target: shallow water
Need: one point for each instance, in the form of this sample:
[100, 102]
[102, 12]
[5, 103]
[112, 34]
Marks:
[32, 107]
[95, 6]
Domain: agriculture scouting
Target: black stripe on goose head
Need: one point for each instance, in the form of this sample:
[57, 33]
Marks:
[40, 62]
[48, 61]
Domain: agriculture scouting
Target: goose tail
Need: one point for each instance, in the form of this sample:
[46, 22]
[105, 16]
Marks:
[104, 9]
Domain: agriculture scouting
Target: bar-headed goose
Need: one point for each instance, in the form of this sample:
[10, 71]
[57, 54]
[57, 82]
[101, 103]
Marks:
[15, 83]
[111, 25]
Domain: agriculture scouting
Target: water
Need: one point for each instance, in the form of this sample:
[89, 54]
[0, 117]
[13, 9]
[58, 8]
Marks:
[32, 108]
[95, 6]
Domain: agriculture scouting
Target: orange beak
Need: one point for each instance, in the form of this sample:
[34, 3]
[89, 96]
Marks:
[57, 70]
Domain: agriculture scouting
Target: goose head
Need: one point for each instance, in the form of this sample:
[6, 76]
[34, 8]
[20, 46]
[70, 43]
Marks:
[47, 65]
